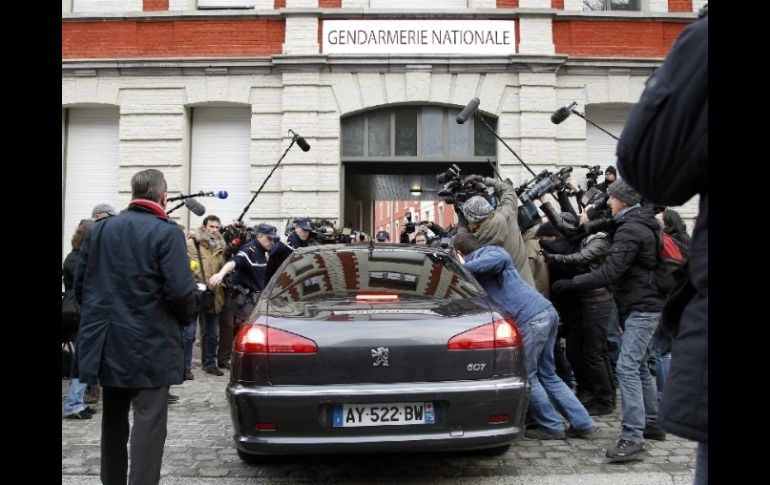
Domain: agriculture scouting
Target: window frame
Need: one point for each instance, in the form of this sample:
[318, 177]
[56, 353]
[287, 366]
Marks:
[447, 117]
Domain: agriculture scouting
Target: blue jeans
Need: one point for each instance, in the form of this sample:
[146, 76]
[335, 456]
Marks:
[614, 335]
[662, 364]
[74, 402]
[210, 338]
[548, 392]
[638, 396]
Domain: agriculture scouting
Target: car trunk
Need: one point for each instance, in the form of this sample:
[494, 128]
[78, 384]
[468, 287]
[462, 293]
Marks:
[382, 343]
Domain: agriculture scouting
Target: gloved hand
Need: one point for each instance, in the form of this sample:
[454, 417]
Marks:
[560, 286]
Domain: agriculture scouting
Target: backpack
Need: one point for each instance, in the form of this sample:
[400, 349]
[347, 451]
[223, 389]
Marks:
[669, 261]
[70, 316]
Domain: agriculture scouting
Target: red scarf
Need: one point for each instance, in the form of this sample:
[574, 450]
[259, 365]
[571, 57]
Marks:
[148, 204]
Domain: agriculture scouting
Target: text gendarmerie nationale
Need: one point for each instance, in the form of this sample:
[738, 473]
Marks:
[418, 37]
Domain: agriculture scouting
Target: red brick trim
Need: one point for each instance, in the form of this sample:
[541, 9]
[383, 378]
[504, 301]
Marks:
[174, 38]
[607, 38]
[152, 5]
[680, 5]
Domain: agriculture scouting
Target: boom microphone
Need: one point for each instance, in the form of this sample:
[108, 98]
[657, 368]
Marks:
[468, 111]
[303, 144]
[222, 194]
[562, 113]
[195, 207]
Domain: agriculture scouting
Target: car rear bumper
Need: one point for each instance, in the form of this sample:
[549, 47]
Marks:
[302, 416]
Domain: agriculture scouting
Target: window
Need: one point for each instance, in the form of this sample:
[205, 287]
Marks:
[219, 160]
[91, 165]
[416, 133]
[630, 5]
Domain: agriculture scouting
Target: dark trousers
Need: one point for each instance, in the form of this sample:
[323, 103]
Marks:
[587, 352]
[240, 314]
[226, 334]
[148, 435]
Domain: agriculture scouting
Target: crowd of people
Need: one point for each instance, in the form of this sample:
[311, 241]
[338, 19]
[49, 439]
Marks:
[597, 279]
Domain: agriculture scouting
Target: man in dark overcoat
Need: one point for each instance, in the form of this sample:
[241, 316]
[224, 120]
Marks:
[136, 290]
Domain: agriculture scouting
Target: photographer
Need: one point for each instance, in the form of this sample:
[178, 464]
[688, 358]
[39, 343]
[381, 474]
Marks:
[497, 226]
[303, 235]
[663, 151]
[587, 333]
[610, 175]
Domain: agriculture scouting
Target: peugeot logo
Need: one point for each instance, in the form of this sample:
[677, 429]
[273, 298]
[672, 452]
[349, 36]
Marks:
[380, 356]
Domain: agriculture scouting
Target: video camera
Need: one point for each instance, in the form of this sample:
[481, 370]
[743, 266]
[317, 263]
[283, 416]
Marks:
[457, 191]
[237, 234]
[321, 230]
[543, 183]
[593, 172]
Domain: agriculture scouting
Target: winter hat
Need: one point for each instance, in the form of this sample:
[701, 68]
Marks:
[547, 229]
[612, 170]
[624, 192]
[477, 208]
[99, 208]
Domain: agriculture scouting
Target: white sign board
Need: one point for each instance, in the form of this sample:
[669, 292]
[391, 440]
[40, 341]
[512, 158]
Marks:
[476, 37]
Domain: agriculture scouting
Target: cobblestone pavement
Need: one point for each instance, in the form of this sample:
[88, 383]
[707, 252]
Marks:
[199, 445]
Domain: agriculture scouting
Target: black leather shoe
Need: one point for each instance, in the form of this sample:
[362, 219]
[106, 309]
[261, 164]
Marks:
[224, 365]
[654, 432]
[214, 371]
[81, 415]
[625, 450]
[571, 432]
[543, 434]
[90, 410]
[172, 398]
[596, 410]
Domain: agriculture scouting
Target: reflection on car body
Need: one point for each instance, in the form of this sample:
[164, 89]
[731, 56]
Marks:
[353, 348]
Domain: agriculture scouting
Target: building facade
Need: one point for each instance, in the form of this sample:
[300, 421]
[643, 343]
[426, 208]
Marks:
[207, 91]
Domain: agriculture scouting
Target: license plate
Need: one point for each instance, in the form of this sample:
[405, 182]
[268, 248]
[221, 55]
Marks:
[383, 414]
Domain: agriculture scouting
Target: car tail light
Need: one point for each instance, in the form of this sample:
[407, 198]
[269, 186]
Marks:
[500, 333]
[265, 427]
[261, 339]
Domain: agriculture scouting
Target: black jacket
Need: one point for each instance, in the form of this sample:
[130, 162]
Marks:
[629, 267]
[136, 289]
[589, 256]
[663, 153]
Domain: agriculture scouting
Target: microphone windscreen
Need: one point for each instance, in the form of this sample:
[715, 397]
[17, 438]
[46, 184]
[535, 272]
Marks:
[559, 115]
[222, 194]
[195, 207]
[303, 144]
[468, 111]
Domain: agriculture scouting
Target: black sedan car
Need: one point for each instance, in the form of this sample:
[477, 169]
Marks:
[361, 348]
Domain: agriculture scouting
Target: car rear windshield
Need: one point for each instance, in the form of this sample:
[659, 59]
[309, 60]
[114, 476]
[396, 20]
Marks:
[379, 276]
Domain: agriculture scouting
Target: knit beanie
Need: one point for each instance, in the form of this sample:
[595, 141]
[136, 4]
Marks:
[624, 192]
[547, 229]
[477, 208]
[612, 170]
